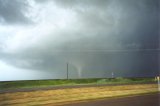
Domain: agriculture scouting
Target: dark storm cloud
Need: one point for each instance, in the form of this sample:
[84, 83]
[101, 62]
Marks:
[132, 22]
[119, 36]
[14, 12]
[125, 24]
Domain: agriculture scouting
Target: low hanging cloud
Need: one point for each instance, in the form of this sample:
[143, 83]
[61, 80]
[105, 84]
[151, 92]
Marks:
[92, 36]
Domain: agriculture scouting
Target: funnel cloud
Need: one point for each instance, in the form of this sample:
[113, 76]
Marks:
[96, 38]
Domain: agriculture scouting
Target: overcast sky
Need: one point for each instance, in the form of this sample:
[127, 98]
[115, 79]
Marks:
[95, 37]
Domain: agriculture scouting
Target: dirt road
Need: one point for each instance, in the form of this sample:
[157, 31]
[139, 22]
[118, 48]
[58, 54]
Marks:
[144, 100]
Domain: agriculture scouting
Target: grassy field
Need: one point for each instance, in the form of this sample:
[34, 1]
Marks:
[71, 95]
[59, 82]
[54, 97]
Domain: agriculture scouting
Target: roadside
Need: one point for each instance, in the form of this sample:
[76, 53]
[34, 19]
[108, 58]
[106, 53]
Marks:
[140, 100]
[70, 95]
[31, 89]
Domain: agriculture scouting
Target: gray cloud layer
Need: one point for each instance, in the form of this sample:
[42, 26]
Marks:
[14, 12]
[119, 36]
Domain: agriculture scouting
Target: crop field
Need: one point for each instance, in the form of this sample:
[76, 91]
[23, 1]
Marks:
[63, 96]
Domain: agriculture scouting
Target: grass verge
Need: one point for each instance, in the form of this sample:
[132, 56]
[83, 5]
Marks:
[65, 96]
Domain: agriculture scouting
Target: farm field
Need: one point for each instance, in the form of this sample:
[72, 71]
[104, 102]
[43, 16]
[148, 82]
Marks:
[56, 97]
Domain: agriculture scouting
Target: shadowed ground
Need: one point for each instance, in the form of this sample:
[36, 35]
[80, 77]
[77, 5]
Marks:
[144, 100]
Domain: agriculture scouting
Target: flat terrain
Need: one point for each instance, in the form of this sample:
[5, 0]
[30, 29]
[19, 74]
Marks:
[61, 96]
[144, 100]
[62, 87]
[7, 85]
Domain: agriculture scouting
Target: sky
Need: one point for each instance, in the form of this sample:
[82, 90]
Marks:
[96, 38]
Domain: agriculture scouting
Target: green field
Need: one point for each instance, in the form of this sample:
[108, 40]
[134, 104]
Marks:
[65, 82]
